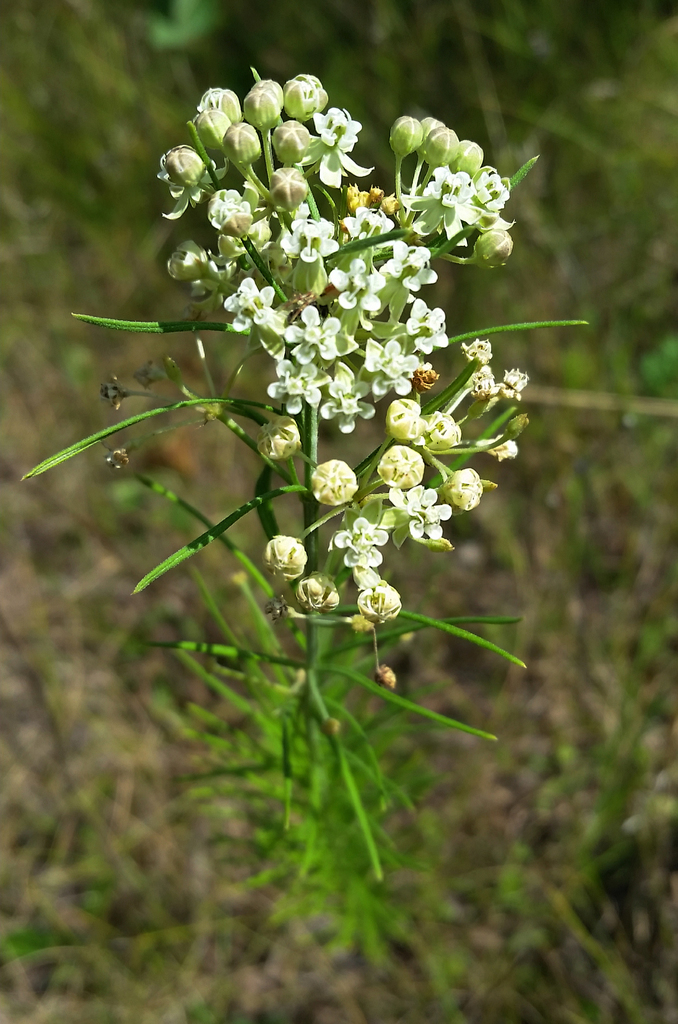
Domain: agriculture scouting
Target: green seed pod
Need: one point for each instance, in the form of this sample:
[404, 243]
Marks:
[184, 166]
[212, 126]
[493, 248]
[406, 136]
[289, 188]
[291, 141]
[440, 147]
[241, 144]
[469, 157]
[263, 104]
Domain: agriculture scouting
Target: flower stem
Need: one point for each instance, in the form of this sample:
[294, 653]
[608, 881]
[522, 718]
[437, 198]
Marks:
[268, 154]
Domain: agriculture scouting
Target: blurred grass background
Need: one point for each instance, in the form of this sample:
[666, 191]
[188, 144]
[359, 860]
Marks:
[544, 885]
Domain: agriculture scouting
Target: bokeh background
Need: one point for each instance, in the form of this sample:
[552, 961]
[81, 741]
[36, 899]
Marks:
[542, 880]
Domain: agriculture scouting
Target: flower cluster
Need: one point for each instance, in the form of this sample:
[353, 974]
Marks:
[331, 287]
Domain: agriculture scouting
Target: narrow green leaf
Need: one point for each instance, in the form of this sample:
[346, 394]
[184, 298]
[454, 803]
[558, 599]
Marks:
[157, 326]
[522, 172]
[225, 651]
[387, 635]
[254, 255]
[402, 702]
[447, 244]
[447, 627]
[287, 771]
[360, 244]
[265, 509]
[481, 331]
[359, 809]
[452, 389]
[240, 408]
[225, 691]
[206, 538]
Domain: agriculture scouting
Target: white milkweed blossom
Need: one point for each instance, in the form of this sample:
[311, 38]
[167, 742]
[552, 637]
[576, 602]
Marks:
[447, 202]
[404, 421]
[480, 350]
[380, 603]
[405, 272]
[367, 222]
[358, 293]
[285, 555]
[421, 515]
[338, 134]
[333, 483]
[483, 385]
[441, 432]
[507, 450]
[344, 403]
[362, 537]
[492, 192]
[463, 489]
[297, 384]
[316, 338]
[513, 383]
[226, 207]
[310, 239]
[401, 467]
[390, 366]
[193, 193]
[427, 327]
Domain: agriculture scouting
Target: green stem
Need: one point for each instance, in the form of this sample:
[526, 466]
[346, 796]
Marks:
[202, 153]
[311, 543]
[399, 188]
[268, 154]
[257, 261]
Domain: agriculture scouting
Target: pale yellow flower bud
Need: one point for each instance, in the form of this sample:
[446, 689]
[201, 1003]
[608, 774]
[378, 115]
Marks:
[289, 187]
[291, 141]
[404, 420]
[263, 104]
[241, 143]
[212, 125]
[333, 483]
[184, 166]
[462, 489]
[401, 467]
[317, 593]
[285, 555]
[380, 603]
[279, 438]
[441, 432]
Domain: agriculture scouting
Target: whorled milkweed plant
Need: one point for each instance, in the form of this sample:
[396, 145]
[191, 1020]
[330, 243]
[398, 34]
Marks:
[328, 281]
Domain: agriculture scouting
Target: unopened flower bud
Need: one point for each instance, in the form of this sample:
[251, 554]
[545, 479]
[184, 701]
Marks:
[401, 467]
[427, 126]
[333, 483]
[516, 426]
[263, 104]
[172, 371]
[355, 199]
[184, 166]
[489, 485]
[285, 555]
[385, 676]
[436, 545]
[188, 263]
[229, 213]
[291, 141]
[224, 100]
[279, 438]
[380, 603]
[304, 96]
[212, 126]
[241, 143]
[317, 593]
[441, 432]
[390, 205]
[440, 146]
[331, 726]
[403, 420]
[462, 489]
[288, 188]
[469, 157]
[493, 248]
[406, 136]
[359, 624]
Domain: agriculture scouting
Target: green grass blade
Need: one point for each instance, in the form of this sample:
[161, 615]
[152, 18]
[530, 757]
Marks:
[88, 442]
[392, 634]
[360, 244]
[225, 651]
[225, 691]
[215, 531]
[358, 807]
[447, 627]
[522, 172]
[481, 331]
[402, 702]
[157, 326]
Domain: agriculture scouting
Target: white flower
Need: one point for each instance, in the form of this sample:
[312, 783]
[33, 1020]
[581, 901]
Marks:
[185, 194]
[338, 135]
[463, 489]
[401, 467]
[358, 292]
[344, 402]
[296, 384]
[480, 350]
[318, 337]
[391, 366]
[285, 555]
[366, 223]
[483, 384]
[491, 192]
[404, 421]
[513, 383]
[253, 312]
[279, 438]
[447, 200]
[427, 327]
[309, 238]
[423, 514]
[317, 593]
[380, 602]
[442, 432]
[362, 536]
[333, 483]
[507, 450]
[228, 205]
[405, 273]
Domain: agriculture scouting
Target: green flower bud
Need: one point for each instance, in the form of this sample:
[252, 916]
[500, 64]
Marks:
[288, 188]
[404, 420]
[469, 157]
[241, 144]
[401, 467]
[304, 96]
[435, 545]
[440, 147]
[279, 438]
[212, 125]
[184, 166]
[291, 141]
[406, 136]
[188, 262]
[224, 100]
[331, 726]
[516, 426]
[263, 104]
[493, 248]
[317, 593]
[172, 371]
[333, 483]
[285, 555]
[463, 490]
